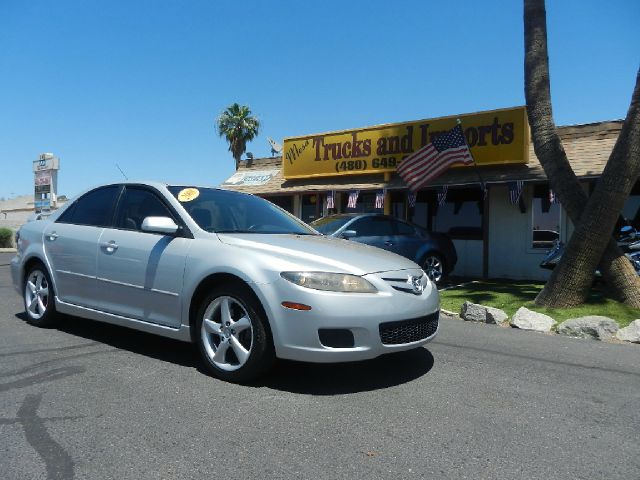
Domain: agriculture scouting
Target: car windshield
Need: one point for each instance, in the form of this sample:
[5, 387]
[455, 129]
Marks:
[329, 225]
[223, 211]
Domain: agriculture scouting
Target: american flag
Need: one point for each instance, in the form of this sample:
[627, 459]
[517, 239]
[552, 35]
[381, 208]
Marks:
[411, 198]
[552, 197]
[515, 191]
[331, 199]
[442, 194]
[380, 199]
[353, 199]
[434, 158]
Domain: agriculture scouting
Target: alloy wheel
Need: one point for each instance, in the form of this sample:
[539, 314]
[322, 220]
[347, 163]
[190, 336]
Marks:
[433, 268]
[227, 333]
[36, 294]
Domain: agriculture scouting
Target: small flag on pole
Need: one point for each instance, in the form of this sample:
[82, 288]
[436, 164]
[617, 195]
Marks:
[435, 158]
[353, 199]
[331, 199]
[411, 198]
[515, 191]
[442, 194]
[380, 199]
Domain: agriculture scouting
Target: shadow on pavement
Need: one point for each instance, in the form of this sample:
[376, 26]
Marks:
[341, 378]
[153, 346]
[295, 377]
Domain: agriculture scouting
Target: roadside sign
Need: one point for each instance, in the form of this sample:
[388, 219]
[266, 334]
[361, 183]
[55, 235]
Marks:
[42, 189]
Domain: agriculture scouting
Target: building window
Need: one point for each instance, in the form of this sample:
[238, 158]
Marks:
[311, 209]
[461, 215]
[283, 201]
[545, 219]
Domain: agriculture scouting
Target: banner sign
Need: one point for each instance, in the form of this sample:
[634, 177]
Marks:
[256, 177]
[495, 137]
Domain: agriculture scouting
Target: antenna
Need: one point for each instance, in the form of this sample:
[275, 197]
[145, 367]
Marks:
[125, 177]
[275, 146]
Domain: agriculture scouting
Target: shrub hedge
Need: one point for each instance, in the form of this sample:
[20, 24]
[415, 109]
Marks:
[6, 238]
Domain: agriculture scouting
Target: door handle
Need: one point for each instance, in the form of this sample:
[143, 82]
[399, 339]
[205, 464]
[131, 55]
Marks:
[110, 247]
[388, 243]
[52, 236]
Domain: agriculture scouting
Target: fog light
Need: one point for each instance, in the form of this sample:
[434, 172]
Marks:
[296, 306]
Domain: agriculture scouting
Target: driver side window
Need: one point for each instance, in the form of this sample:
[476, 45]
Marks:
[135, 205]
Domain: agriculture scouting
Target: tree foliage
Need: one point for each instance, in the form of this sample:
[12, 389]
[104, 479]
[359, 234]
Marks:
[238, 126]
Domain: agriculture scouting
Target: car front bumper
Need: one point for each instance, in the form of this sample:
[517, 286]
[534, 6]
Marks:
[405, 320]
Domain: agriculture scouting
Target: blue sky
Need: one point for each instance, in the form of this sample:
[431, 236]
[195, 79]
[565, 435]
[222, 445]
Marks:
[140, 83]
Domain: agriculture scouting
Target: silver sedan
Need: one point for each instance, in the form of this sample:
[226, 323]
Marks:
[244, 280]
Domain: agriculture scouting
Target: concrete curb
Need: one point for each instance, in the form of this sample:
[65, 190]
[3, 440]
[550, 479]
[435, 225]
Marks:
[7, 250]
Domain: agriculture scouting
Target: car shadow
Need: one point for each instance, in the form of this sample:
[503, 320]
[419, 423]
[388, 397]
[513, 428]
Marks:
[294, 377]
[342, 378]
[141, 343]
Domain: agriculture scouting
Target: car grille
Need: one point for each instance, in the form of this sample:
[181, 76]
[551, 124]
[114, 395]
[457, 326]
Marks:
[407, 331]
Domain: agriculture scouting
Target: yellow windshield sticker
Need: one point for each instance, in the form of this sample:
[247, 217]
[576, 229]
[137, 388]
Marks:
[188, 194]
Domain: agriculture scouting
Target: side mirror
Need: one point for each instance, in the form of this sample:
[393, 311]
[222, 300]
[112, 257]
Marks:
[159, 225]
[347, 234]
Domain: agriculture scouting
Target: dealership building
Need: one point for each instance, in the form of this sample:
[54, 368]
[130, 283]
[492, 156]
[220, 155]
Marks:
[500, 231]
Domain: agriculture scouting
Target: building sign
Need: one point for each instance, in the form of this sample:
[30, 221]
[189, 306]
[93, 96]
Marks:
[43, 178]
[495, 137]
[45, 181]
[256, 177]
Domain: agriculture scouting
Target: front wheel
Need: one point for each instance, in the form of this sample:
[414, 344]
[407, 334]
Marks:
[38, 297]
[433, 266]
[233, 336]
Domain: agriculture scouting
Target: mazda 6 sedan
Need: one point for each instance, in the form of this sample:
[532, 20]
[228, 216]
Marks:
[243, 279]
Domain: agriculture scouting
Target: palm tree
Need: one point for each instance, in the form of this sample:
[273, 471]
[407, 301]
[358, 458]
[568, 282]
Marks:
[595, 216]
[238, 126]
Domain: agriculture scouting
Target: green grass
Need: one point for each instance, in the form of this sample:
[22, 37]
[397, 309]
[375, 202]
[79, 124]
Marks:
[511, 295]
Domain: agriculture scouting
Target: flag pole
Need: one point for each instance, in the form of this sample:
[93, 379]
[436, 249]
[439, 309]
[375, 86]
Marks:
[482, 184]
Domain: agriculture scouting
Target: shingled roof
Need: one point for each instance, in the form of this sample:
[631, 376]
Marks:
[587, 146]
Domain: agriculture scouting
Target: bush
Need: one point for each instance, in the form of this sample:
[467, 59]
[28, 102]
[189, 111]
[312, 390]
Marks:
[6, 238]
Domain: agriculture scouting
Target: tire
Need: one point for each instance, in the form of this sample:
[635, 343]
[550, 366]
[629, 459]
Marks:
[433, 266]
[233, 335]
[38, 297]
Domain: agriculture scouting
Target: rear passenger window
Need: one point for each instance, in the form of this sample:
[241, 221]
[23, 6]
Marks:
[94, 208]
[372, 227]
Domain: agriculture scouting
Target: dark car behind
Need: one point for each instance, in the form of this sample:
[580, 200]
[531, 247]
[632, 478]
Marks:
[434, 252]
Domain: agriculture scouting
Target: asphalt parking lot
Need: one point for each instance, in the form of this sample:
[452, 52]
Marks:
[95, 401]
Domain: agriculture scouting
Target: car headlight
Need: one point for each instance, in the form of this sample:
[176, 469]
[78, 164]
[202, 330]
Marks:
[332, 282]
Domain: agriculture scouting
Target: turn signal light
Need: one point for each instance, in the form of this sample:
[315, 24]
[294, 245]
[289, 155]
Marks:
[296, 306]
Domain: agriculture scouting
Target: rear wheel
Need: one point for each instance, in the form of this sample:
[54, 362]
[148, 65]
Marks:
[38, 297]
[233, 336]
[433, 266]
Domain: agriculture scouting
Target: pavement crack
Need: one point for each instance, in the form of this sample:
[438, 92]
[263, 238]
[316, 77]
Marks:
[48, 376]
[58, 349]
[38, 365]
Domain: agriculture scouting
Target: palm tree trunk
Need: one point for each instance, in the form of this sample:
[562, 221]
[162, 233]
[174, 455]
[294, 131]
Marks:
[570, 282]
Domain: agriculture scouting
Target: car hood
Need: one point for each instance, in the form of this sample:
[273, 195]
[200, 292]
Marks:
[321, 252]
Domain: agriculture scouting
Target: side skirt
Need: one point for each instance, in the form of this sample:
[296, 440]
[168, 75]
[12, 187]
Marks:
[182, 333]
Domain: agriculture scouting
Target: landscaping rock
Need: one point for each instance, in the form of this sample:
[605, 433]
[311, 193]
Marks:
[472, 312]
[496, 316]
[630, 333]
[592, 326]
[526, 319]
